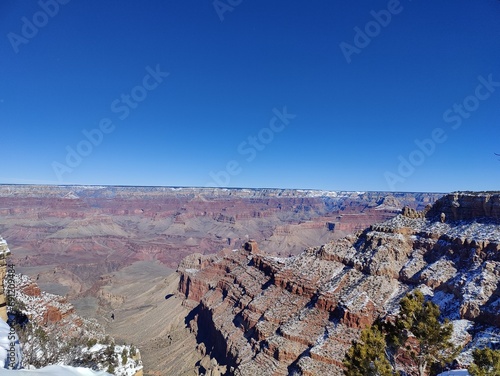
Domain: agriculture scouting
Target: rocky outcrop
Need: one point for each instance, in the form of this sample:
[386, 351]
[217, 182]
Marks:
[57, 318]
[413, 213]
[4, 253]
[259, 314]
[468, 206]
[42, 307]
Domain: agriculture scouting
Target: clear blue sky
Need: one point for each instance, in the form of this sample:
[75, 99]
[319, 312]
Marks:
[365, 80]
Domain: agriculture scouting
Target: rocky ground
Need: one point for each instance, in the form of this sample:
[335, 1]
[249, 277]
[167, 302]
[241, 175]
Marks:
[58, 335]
[268, 315]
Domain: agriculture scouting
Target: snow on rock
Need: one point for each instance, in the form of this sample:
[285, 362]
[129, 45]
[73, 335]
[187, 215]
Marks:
[490, 337]
[426, 290]
[458, 372]
[462, 229]
[460, 335]
[55, 371]
[57, 318]
[448, 304]
[97, 347]
[4, 249]
[307, 309]
[8, 338]
[40, 305]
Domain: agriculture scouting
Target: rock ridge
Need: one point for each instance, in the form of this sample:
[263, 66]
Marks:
[468, 206]
[4, 253]
[268, 315]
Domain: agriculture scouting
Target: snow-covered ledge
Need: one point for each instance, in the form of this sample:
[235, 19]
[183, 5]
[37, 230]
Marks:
[4, 249]
[10, 357]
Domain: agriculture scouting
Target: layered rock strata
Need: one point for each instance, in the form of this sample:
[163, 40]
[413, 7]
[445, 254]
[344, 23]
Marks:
[265, 315]
[85, 232]
[468, 206]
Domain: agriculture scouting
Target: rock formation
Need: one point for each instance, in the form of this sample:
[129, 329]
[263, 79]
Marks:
[4, 253]
[74, 239]
[55, 314]
[468, 206]
[65, 329]
[85, 232]
[261, 314]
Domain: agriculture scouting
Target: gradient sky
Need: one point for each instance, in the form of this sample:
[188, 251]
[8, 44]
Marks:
[428, 70]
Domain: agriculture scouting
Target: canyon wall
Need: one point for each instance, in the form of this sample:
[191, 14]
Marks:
[74, 240]
[468, 206]
[84, 232]
[261, 314]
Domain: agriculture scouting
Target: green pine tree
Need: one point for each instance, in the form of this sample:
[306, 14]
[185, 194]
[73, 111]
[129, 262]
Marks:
[486, 363]
[367, 356]
[111, 369]
[416, 332]
[420, 319]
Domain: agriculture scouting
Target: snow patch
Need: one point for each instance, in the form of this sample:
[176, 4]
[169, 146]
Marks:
[5, 347]
[460, 333]
[458, 372]
[55, 371]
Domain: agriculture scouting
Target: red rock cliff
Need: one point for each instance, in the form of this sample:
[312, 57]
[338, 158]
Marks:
[276, 316]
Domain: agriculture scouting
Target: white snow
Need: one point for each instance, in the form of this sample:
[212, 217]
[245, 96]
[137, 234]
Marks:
[459, 229]
[448, 303]
[55, 371]
[426, 290]
[5, 346]
[97, 347]
[460, 335]
[51, 370]
[4, 249]
[36, 306]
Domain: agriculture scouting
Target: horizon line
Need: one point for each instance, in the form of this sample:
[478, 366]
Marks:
[217, 187]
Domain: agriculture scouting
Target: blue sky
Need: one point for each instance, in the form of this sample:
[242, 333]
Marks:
[337, 95]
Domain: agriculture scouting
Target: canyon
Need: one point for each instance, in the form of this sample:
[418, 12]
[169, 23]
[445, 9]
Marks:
[257, 313]
[70, 236]
[49, 331]
[115, 249]
[243, 282]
